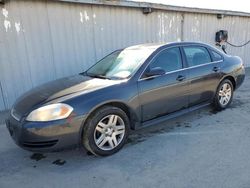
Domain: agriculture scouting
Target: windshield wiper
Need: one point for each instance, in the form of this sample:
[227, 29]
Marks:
[97, 76]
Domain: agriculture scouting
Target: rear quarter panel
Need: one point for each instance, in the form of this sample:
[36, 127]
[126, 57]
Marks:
[233, 66]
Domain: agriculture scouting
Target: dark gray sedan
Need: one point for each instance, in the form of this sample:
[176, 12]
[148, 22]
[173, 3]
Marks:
[130, 88]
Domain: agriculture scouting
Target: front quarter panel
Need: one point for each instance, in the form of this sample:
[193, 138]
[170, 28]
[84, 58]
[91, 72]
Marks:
[125, 93]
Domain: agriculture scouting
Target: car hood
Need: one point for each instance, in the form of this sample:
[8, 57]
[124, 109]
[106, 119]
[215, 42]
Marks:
[56, 89]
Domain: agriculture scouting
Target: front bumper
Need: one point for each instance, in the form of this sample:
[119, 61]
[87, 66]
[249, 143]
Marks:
[46, 136]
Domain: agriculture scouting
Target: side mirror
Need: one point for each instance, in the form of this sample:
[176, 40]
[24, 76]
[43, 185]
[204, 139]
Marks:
[155, 72]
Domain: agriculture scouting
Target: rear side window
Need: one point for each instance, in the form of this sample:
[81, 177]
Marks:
[216, 56]
[196, 55]
[169, 60]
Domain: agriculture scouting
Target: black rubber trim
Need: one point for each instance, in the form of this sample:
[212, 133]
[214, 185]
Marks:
[40, 144]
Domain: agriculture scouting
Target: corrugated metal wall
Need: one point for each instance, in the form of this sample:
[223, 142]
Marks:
[202, 27]
[2, 105]
[45, 40]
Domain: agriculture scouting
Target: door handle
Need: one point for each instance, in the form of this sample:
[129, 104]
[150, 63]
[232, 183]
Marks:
[216, 69]
[180, 78]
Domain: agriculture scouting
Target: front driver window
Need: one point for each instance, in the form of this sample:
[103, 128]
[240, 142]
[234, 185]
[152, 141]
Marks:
[169, 60]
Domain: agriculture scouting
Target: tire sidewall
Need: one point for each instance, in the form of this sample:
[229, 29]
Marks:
[92, 123]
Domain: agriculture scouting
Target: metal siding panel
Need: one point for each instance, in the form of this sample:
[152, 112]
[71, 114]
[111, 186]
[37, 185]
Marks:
[37, 39]
[121, 27]
[2, 70]
[238, 34]
[202, 27]
[2, 106]
[61, 38]
[71, 36]
[13, 64]
[83, 47]
[247, 48]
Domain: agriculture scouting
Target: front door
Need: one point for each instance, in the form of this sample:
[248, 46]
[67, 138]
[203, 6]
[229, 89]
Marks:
[166, 93]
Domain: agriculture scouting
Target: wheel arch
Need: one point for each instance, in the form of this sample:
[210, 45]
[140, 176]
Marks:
[231, 78]
[133, 118]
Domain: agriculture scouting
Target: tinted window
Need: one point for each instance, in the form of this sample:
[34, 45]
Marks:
[196, 55]
[169, 60]
[216, 56]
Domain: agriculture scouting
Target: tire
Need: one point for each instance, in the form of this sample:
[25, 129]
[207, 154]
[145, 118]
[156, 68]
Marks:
[106, 131]
[224, 93]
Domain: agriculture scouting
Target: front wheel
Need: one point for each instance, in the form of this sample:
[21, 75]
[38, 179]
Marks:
[224, 95]
[106, 131]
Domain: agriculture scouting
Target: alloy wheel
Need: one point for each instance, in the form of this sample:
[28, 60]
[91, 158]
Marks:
[225, 94]
[109, 132]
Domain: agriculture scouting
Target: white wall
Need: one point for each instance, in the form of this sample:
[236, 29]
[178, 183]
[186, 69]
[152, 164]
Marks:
[45, 40]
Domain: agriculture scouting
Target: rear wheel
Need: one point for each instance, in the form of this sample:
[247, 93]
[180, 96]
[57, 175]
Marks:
[106, 131]
[224, 95]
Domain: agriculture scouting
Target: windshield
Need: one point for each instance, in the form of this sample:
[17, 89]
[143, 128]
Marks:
[120, 64]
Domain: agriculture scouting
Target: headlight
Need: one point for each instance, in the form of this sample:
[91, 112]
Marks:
[50, 112]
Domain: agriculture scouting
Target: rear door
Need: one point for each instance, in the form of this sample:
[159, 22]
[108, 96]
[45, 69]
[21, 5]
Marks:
[166, 93]
[203, 73]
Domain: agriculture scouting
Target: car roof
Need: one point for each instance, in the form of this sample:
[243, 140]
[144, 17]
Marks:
[158, 45]
[147, 45]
